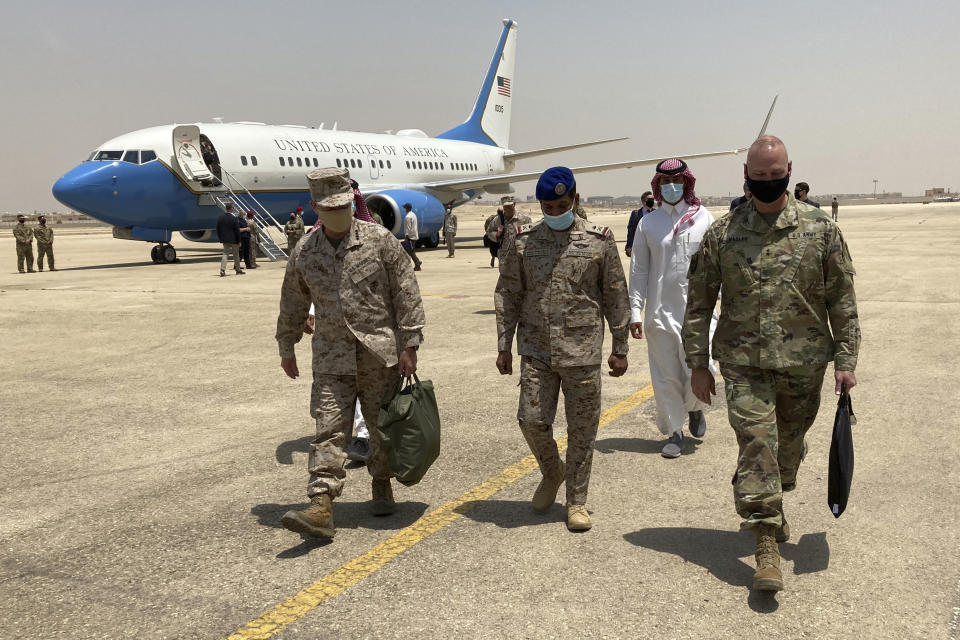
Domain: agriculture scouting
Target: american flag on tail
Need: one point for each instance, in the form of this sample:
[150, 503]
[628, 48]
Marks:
[503, 86]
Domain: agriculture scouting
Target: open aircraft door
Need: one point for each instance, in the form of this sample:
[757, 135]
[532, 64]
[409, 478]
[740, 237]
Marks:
[186, 149]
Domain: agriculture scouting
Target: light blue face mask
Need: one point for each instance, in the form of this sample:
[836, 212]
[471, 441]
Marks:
[671, 192]
[560, 222]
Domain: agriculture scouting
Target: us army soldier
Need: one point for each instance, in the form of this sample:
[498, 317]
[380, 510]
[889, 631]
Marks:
[24, 237]
[559, 279]
[785, 270]
[254, 240]
[293, 230]
[450, 230]
[44, 236]
[368, 327]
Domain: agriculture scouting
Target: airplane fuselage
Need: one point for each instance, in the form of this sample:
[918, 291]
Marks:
[269, 161]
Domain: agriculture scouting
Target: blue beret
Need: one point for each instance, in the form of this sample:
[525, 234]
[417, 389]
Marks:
[554, 183]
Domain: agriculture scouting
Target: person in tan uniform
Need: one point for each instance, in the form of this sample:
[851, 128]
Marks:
[369, 325]
[44, 236]
[254, 240]
[24, 237]
[559, 280]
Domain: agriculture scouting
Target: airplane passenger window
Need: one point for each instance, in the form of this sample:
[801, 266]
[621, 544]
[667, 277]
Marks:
[243, 160]
[133, 157]
[281, 161]
[109, 155]
[253, 159]
[150, 156]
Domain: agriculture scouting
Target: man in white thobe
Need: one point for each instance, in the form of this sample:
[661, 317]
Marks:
[665, 241]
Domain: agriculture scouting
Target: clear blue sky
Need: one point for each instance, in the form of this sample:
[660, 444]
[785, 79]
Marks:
[867, 89]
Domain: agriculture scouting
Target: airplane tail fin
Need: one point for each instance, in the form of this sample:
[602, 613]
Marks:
[489, 122]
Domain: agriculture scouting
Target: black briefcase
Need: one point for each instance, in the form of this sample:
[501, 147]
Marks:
[840, 475]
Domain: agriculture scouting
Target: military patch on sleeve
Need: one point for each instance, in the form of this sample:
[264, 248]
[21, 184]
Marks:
[599, 230]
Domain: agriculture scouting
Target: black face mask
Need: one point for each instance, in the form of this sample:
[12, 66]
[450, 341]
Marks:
[768, 190]
[649, 203]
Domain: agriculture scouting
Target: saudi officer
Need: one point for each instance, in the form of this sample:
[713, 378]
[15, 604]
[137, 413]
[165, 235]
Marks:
[560, 282]
[665, 241]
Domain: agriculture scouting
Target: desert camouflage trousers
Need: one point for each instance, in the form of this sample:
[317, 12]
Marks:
[25, 253]
[44, 250]
[770, 410]
[540, 387]
[332, 401]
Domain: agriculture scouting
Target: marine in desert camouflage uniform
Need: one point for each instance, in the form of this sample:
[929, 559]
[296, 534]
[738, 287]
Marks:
[788, 309]
[44, 236]
[369, 322]
[24, 238]
[559, 280]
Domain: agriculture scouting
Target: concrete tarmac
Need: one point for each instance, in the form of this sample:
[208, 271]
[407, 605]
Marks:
[151, 444]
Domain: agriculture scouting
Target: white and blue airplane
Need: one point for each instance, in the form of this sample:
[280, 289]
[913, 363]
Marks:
[152, 182]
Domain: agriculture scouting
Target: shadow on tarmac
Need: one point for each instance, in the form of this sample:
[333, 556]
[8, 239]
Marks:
[346, 515]
[642, 445]
[510, 514]
[719, 553]
[285, 450]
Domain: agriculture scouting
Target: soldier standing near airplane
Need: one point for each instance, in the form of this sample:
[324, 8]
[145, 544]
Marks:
[559, 279]
[784, 269]
[368, 328]
[44, 236]
[24, 238]
[254, 240]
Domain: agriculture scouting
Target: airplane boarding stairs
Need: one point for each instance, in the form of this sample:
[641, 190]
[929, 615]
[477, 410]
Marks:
[245, 201]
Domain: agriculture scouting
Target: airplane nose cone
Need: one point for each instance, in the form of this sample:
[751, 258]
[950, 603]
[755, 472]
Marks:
[84, 186]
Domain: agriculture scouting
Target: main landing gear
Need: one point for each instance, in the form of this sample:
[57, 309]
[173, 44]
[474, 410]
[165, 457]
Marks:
[163, 253]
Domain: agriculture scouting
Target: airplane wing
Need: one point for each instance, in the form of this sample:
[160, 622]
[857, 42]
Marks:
[539, 152]
[504, 178]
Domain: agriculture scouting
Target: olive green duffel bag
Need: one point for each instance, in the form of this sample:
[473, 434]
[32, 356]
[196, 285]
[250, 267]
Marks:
[409, 428]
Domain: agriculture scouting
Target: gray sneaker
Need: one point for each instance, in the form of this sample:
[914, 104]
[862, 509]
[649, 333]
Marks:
[359, 450]
[674, 446]
[698, 424]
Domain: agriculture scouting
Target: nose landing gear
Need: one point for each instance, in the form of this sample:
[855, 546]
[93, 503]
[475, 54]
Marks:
[163, 253]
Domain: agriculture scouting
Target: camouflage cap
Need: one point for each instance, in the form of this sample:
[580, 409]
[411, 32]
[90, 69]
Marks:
[330, 187]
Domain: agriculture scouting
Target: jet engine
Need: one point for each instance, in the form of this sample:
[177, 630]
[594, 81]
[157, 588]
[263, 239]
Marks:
[429, 211]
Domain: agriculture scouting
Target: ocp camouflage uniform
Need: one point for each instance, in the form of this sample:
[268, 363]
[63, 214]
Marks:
[254, 240]
[44, 236]
[24, 239]
[368, 310]
[781, 285]
[554, 291]
[293, 231]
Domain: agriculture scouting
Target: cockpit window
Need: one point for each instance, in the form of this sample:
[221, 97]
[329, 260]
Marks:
[109, 155]
[147, 156]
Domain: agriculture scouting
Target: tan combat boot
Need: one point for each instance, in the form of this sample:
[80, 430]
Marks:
[382, 503]
[577, 518]
[767, 576]
[316, 520]
[546, 493]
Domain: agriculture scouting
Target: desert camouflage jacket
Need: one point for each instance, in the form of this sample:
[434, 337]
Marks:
[554, 291]
[364, 290]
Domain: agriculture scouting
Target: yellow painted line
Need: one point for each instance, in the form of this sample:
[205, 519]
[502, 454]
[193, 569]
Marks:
[331, 585]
